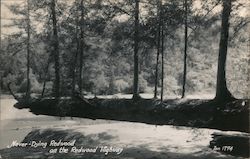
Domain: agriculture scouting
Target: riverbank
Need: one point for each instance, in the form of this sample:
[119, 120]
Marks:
[233, 115]
[137, 140]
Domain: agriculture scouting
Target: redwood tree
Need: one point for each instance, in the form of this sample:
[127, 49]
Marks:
[185, 51]
[136, 48]
[222, 92]
[81, 46]
[28, 51]
[158, 46]
[55, 50]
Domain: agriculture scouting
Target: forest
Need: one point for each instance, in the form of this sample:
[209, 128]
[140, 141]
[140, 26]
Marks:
[62, 55]
[107, 47]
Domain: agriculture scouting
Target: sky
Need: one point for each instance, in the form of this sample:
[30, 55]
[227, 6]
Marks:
[6, 15]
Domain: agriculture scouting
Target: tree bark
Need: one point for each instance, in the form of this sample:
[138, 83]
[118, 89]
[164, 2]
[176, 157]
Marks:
[222, 92]
[55, 51]
[158, 49]
[185, 52]
[81, 47]
[136, 48]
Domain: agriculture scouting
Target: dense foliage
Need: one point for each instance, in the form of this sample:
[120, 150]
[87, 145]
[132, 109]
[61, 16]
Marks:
[108, 47]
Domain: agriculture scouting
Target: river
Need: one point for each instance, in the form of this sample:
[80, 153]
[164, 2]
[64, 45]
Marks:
[16, 124]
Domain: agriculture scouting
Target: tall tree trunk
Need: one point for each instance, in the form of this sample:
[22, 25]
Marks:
[81, 47]
[56, 51]
[162, 60]
[185, 52]
[46, 72]
[44, 86]
[158, 48]
[136, 48]
[74, 73]
[222, 92]
[75, 59]
[28, 52]
[1, 71]
[112, 79]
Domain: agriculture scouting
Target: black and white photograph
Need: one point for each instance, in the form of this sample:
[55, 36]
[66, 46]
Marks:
[124, 79]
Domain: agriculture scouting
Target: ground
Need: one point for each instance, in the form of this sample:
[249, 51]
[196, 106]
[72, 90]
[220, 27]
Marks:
[137, 140]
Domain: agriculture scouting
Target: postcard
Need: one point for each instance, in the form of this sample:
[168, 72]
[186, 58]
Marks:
[124, 79]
